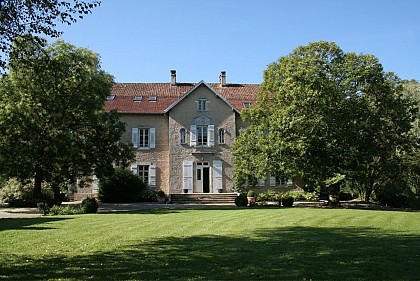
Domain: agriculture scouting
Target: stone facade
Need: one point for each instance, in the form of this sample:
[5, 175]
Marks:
[182, 133]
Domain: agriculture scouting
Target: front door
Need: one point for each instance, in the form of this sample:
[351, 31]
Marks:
[202, 183]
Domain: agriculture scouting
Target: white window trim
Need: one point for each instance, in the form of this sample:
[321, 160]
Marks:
[135, 138]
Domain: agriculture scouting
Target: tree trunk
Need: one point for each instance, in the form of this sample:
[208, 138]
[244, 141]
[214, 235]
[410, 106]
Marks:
[37, 186]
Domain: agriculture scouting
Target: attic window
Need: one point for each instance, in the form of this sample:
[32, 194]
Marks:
[110, 98]
[152, 98]
[246, 104]
[138, 98]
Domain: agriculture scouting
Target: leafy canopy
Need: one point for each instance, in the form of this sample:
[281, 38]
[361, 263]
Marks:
[52, 124]
[325, 116]
[37, 17]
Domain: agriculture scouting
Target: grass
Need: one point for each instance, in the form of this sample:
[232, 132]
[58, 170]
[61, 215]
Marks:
[214, 244]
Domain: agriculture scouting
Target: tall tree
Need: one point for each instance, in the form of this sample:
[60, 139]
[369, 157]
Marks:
[325, 116]
[37, 17]
[52, 124]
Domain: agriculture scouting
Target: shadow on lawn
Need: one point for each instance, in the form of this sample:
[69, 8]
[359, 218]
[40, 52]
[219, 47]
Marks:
[292, 253]
[27, 223]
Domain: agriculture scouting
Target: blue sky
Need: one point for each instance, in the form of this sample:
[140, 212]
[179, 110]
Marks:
[142, 40]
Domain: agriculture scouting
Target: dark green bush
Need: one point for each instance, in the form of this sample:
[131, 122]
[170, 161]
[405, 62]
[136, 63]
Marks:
[148, 196]
[241, 200]
[89, 205]
[121, 187]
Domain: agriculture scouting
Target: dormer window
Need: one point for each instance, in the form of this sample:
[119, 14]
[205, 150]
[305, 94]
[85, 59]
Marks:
[246, 104]
[202, 105]
[110, 98]
[153, 98]
[138, 98]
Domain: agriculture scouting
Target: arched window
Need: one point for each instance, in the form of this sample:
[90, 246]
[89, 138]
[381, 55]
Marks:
[182, 136]
[221, 136]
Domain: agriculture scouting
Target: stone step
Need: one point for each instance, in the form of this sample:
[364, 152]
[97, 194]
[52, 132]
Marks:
[203, 198]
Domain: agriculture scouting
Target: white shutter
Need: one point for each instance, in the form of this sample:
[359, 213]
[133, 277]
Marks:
[193, 135]
[210, 133]
[272, 181]
[152, 175]
[135, 137]
[187, 170]
[134, 169]
[95, 184]
[152, 136]
[217, 175]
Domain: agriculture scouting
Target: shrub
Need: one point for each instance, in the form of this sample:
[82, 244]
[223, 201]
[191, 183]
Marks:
[19, 194]
[268, 196]
[121, 187]
[148, 196]
[311, 196]
[160, 193]
[241, 200]
[89, 206]
[44, 208]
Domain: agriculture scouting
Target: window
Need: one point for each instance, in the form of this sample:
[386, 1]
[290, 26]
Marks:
[153, 98]
[281, 179]
[138, 98]
[202, 105]
[201, 135]
[143, 172]
[246, 104]
[221, 136]
[143, 137]
[146, 171]
[110, 98]
[182, 136]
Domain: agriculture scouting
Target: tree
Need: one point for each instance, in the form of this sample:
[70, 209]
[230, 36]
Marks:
[325, 116]
[52, 124]
[35, 17]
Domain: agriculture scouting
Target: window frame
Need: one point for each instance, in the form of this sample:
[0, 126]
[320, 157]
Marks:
[183, 136]
[143, 172]
[221, 136]
[202, 104]
[202, 135]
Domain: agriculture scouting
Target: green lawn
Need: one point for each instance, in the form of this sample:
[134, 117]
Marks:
[214, 244]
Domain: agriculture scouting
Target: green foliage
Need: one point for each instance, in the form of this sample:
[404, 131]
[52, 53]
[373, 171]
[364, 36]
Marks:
[251, 193]
[52, 124]
[89, 206]
[44, 208]
[20, 194]
[29, 18]
[241, 200]
[160, 193]
[323, 115]
[311, 196]
[123, 186]
[148, 195]
[268, 196]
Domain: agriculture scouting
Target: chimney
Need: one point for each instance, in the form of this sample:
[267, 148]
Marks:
[222, 79]
[173, 77]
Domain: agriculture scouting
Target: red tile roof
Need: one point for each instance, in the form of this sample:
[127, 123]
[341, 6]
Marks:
[166, 95]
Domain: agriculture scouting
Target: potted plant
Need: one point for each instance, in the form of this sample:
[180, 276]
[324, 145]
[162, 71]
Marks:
[251, 197]
[185, 190]
[161, 197]
[287, 199]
